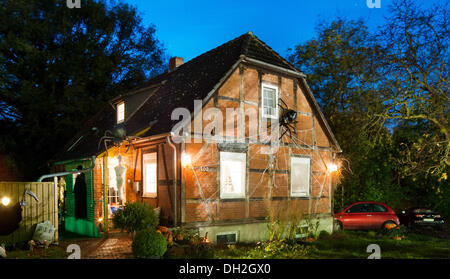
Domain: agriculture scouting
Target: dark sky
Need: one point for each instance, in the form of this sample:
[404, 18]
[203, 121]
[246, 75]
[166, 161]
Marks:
[191, 27]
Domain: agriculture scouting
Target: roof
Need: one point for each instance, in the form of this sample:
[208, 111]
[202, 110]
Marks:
[195, 79]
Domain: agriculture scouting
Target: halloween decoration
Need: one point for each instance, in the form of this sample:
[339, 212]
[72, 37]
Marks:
[80, 191]
[120, 171]
[44, 233]
[287, 118]
[116, 138]
[11, 216]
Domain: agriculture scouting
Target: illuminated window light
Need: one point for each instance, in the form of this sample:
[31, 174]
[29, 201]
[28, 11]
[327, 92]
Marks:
[120, 112]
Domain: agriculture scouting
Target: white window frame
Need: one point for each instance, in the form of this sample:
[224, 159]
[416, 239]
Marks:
[304, 161]
[270, 86]
[227, 156]
[120, 113]
[152, 156]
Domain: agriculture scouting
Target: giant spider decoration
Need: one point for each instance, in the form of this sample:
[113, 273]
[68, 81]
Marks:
[287, 119]
[115, 138]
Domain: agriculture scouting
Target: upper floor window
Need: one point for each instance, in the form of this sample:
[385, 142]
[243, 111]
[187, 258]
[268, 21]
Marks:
[269, 100]
[120, 112]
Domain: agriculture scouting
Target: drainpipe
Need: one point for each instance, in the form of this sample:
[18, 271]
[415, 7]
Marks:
[174, 180]
[68, 172]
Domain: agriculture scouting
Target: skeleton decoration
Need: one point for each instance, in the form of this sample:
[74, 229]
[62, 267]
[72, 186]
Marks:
[120, 171]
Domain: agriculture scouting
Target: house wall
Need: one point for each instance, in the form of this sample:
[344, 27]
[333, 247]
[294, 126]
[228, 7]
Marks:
[268, 175]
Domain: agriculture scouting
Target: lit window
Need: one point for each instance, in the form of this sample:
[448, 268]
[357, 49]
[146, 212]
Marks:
[270, 101]
[300, 168]
[120, 112]
[232, 175]
[150, 175]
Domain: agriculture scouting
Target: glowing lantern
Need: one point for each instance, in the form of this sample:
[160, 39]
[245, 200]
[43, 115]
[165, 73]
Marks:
[6, 201]
[185, 159]
[332, 168]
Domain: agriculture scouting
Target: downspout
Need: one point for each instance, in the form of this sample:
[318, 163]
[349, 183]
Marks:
[174, 180]
[91, 167]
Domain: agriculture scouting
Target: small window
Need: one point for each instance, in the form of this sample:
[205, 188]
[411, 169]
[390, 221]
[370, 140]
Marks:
[300, 176]
[227, 238]
[150, 175]
[120, 112]
[232, 175]
[269, 101]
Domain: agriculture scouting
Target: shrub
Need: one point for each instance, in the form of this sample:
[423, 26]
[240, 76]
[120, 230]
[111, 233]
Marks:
[324, 234]
[149, 244]
[135, 216]
[279, 249]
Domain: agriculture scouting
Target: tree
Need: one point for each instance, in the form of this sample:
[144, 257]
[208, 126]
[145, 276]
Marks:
[58, 66]
[340, 65]
[416, 81]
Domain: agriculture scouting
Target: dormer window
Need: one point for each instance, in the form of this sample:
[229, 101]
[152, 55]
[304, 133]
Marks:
[120, 112]
[269, 100]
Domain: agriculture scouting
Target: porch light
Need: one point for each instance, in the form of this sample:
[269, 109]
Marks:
[332, 168]
[6, 201]
[185, 159]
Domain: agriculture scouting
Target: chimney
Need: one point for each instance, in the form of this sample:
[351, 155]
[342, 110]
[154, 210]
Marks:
[175, 62]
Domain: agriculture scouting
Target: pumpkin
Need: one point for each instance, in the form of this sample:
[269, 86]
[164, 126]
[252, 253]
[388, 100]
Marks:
[170, 239]
[179, 237]
[163, 229]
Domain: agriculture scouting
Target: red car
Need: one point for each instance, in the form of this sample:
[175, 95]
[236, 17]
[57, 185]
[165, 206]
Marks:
[365, 216]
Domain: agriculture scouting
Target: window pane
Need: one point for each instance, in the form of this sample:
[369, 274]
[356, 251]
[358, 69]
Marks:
[232, 174]
[360, 208]
[269, 99]
[150, 174]
[300, 171]
[378, 208]
[120, 112]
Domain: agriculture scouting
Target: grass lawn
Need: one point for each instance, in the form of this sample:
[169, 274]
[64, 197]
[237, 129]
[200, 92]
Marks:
[353, 245]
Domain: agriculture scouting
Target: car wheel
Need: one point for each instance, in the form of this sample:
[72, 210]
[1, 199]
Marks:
[387, 223]
[338, 226]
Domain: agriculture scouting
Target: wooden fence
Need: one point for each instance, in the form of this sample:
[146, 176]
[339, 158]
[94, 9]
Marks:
[34, 212]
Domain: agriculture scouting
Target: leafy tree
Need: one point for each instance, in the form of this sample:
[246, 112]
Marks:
[416, 81]
[340, 65]
[58, 66]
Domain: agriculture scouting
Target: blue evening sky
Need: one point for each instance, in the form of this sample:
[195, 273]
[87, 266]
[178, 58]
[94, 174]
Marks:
[191, 27]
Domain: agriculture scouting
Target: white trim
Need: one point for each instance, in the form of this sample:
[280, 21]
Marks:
[233, 156]
[306, 161]
[271, 86]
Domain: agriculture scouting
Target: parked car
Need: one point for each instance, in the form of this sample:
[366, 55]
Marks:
[419, 216]
[365, 216]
